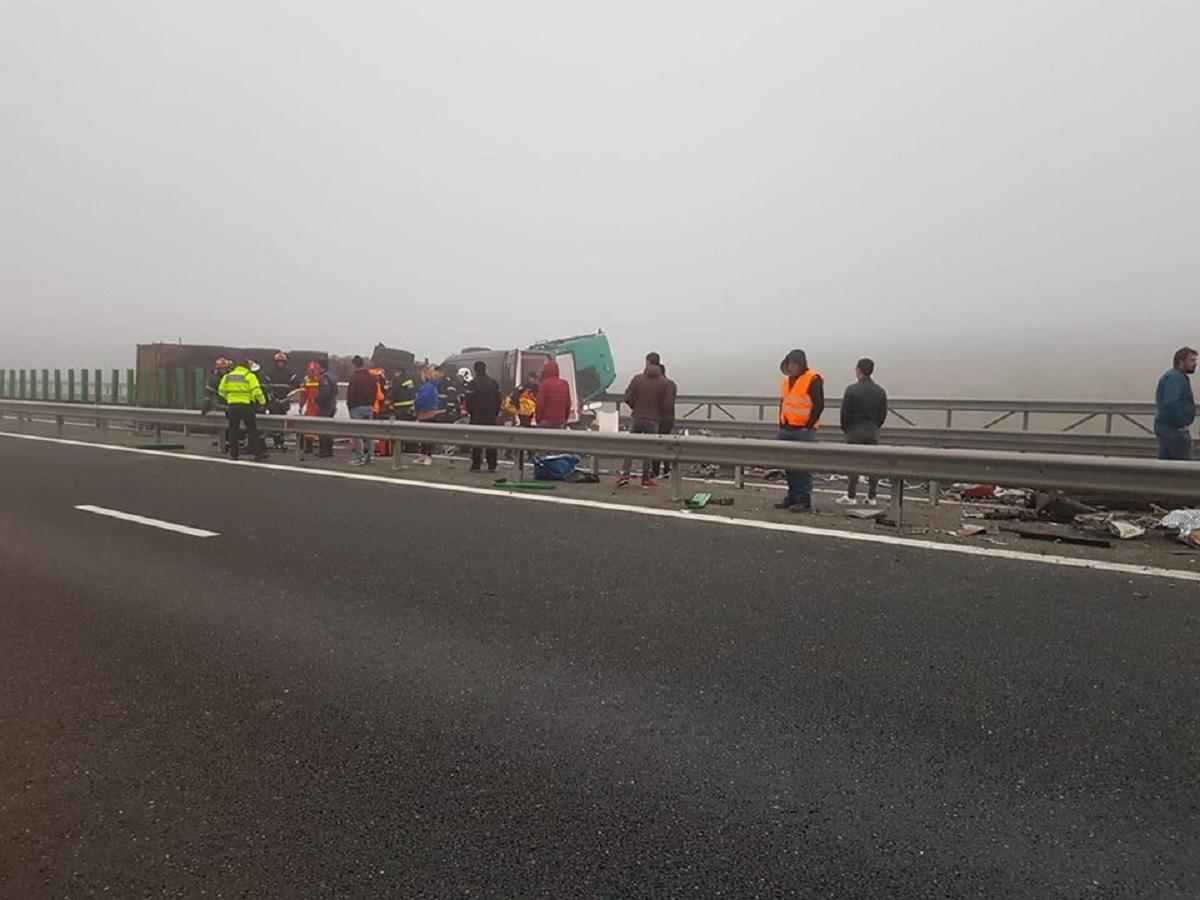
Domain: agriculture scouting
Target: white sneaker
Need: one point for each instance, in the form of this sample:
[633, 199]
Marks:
[871, 501]
[846, 500]
[358, 462]
[424, 461]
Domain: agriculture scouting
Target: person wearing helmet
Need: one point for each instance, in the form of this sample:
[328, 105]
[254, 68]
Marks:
[308, 400]
[212, 397]
[449, 394]
[282, 382]
[243, 395]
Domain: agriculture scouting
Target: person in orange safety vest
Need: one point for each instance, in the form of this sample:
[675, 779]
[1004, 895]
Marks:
[801, 402]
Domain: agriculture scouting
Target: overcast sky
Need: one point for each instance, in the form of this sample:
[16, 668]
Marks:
[988, 197]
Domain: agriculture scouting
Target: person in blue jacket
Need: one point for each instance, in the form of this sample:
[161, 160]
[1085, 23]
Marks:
[428, 406]
[1176, 407]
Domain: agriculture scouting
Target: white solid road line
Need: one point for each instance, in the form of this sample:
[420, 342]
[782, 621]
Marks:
[809, 530]
[143, 520]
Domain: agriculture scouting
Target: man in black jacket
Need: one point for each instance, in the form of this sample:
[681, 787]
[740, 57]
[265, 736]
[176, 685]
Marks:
[864, 410]
[483, 406]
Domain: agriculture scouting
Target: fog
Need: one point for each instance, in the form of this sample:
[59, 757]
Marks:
[989, 198]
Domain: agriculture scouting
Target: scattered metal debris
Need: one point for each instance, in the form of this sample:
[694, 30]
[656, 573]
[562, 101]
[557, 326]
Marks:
[1059, 507]
[1055, 538]
[866, 513]
[1126, 530]
[1186, 525]
[969, 531]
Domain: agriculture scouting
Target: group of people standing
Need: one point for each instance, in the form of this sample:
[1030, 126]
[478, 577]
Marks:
[470, 395]
[244, 388]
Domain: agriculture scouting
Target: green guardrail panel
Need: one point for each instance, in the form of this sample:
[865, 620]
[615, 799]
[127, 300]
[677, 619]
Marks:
[45, 384]
[161, 379]
[22, 373]
[84, 390]
[70, 385]
[114, 394]
[130, 388]
[181, 396]
[58, 384]
[198, 385]
[3, 384]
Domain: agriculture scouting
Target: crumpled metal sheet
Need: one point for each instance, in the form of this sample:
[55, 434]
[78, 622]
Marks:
[1185, 521]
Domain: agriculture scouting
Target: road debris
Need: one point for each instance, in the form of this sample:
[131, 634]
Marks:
[1186, 525]
[866, 513]
[1058, 507]
[1055, 538]
[978, 492]
[968, 531]
[1126, 530]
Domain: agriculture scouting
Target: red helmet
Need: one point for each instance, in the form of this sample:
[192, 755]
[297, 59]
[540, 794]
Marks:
[313, 368]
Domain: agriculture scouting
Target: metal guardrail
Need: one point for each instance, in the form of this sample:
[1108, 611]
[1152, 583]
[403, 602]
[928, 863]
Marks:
[1082, 412]
[1085, 474]
[956, 438]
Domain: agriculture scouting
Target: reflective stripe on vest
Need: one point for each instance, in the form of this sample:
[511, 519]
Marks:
[796, 401]
[239, 387]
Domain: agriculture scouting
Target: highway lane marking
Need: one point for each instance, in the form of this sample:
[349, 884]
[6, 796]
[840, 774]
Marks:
[810, 530]
[144, 520]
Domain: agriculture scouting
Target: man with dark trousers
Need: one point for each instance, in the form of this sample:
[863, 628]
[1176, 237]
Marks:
[864, 410]
[483, 406]
[801, 402]
[327, 397]
[281, 384]
[243, 396]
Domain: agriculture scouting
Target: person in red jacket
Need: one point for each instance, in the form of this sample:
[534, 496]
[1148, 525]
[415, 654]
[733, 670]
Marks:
[553, 399]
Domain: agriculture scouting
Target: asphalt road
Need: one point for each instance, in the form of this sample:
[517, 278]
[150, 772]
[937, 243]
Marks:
[362, 690]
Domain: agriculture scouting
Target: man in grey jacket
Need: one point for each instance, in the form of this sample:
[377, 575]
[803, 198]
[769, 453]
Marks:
[864, 410]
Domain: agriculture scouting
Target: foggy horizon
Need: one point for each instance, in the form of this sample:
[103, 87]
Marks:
[990, 201]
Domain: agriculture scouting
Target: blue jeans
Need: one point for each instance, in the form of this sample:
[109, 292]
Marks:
[799, 483]
[1173, 443]
[364, 448]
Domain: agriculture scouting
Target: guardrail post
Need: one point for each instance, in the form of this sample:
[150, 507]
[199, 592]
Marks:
[935, 492]
[222, 443]
[739, 477]
[397, 448]
[158, 434]
[949, 418]
[896, 507]
[1108, 423]
[58, 424]
[676, 480]
[1025, 420]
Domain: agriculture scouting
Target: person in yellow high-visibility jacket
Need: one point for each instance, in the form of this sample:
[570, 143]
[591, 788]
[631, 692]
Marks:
[243, 395]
